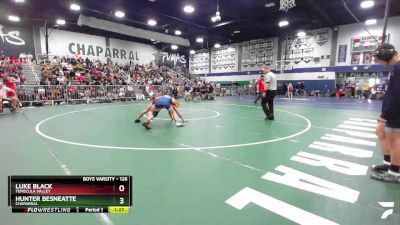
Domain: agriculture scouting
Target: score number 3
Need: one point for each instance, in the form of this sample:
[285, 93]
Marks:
[121, 188]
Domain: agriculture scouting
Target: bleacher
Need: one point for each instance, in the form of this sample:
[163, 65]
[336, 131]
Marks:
[94, 82]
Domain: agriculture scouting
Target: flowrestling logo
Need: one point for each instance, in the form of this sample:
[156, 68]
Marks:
[11, 37]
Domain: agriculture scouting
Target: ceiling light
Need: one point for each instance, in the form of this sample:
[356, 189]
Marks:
[178, 32]
[13, 18]
[217, 46]
[370, 22]
[75, 7]
[188, 9]
[217, 16]
[60, 22]
[174, 47]
[151, 22]
[19, 1]
[236, 32]
[192, 52]
[283, 23]
[367, 4]
[119, 14]
[269, 5]
[301, 34]
[199, 40]
[152, 39]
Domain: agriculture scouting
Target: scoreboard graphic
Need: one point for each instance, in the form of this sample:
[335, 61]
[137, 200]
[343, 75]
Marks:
[70, 194]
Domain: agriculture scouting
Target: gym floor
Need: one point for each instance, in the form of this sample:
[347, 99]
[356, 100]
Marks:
[202, 173]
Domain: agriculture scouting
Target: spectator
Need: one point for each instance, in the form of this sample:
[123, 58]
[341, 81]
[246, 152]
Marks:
[285, 89]
[175, 93]
[260, 88]
[290, 90]
[44, 81]
[62, 80]
[4, 93]
[302, 89]
[367, 90]
[11, 82]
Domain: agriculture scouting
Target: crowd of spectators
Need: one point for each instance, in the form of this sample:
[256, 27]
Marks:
[11, 66]
[361, 89]
[79, 71]
[297, 89]
[10, 75]
[84, 78]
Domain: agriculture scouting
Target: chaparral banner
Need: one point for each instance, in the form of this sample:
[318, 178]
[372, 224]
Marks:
[65, 43]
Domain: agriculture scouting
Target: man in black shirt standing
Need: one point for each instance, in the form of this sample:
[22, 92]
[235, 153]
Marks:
[386, 54]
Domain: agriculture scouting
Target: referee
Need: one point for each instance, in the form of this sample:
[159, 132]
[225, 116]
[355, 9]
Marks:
[267, 101]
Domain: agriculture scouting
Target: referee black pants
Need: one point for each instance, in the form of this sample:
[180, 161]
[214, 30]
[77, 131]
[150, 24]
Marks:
[267, 103]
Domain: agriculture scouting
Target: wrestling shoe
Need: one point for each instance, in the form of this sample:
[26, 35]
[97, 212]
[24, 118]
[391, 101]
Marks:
[380, 168]
[178, 124]
[386, 177]
[146, 126]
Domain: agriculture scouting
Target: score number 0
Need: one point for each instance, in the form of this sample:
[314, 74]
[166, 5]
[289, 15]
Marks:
[121, 188]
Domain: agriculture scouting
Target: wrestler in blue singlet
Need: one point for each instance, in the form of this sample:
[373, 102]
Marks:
[163, 102]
